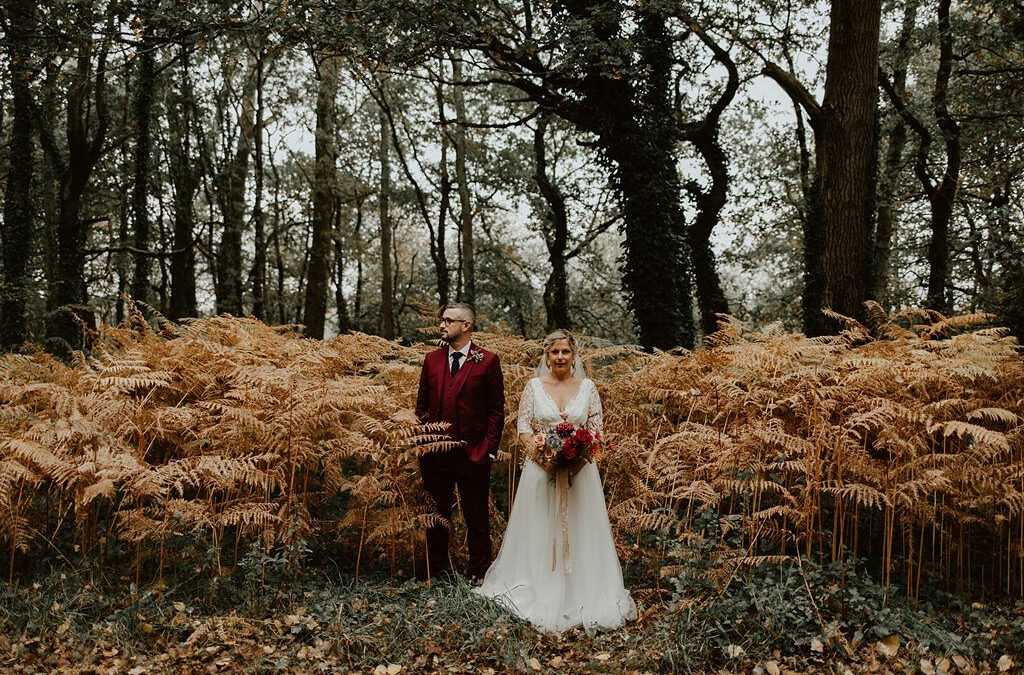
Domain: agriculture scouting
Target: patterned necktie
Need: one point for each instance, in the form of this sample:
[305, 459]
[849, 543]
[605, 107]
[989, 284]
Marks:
[455, 362]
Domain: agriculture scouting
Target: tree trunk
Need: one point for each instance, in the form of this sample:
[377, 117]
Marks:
[19, 210]
[143, 112]
[892, 165]
[69, 304]
[231, 195]
[556, 235]
[387, 293]
[642, 142]
[839, 246]
[468, 288]
[438, 252]
[325, 202]
[357, 302]
[942, 196]
[259, 261]
[185, 181]
[704, 137]
[634, 125]
[344, 321]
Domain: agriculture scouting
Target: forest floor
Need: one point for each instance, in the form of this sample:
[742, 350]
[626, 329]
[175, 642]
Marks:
[66, 623]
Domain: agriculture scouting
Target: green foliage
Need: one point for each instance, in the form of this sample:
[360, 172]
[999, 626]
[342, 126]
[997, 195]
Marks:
[721, 608]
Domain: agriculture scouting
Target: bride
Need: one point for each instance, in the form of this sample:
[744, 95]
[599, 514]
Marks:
[557, 567]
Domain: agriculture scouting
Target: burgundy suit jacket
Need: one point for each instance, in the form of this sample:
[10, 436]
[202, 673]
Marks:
[473, 403]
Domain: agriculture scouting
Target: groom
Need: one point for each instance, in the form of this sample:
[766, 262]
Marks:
[461, 384]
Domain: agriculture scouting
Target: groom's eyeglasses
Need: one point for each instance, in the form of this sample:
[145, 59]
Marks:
[445, 321]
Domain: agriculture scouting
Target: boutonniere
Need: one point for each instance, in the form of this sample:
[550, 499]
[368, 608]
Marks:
[476, 356]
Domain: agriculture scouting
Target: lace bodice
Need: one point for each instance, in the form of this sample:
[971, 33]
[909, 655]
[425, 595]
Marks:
[539, 412]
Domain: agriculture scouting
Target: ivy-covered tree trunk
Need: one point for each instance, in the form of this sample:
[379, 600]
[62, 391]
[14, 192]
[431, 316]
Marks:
[635, 126]
[838, 257]
[324, 198]
[19, 210]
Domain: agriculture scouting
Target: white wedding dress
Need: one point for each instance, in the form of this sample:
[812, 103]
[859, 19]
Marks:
[531, 575]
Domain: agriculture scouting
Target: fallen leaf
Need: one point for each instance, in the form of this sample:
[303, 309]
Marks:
[1004, 663]
[960, 661]
[603, 656]
[534, 663]
[943, 666]
[394, 669]
[888, 646]
[927, 667]
[556, 662]
[137, 670]
[817, 646]
[180, 606]
[734, 651]
[772, 668]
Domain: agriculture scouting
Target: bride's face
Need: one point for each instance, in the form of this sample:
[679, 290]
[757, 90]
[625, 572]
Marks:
[560, 357]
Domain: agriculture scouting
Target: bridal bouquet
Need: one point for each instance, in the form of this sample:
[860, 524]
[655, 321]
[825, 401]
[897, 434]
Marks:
[567, 447]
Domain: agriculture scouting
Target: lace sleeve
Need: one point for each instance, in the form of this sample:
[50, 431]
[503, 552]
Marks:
[524, 425]
[595, 415]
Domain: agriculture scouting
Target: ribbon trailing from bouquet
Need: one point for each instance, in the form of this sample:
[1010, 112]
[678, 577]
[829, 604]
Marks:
[562, 487]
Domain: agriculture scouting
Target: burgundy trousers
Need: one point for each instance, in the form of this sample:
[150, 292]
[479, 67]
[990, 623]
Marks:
[443, 473]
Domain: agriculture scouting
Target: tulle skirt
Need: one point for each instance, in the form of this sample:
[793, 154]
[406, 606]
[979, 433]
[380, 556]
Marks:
[533, 577]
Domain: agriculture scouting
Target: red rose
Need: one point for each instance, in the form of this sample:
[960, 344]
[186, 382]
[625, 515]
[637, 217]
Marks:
[569, 450]
[565, 429]
[584, 437]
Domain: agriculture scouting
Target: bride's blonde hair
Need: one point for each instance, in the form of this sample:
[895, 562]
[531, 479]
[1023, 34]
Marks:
[560, 334]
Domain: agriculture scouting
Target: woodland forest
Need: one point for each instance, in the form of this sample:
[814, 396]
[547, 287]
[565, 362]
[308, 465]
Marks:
[788, 233]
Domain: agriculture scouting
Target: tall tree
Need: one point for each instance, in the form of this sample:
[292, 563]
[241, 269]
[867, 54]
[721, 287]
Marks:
[892, 165]
[184, 175]
[387, 291]
[231, 181]
[940, 191]
[615, 82]
[258, 274]
[838, 231]
[703, 135]
[142, 107]
[86, 124]
[19, 210]
[467, 290]
[556, 231]
[325, 197]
